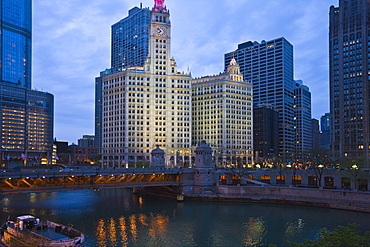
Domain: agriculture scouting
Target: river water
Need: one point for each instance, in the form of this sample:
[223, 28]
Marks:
[116, 217]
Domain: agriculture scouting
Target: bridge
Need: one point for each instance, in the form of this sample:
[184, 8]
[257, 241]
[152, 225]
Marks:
[36, 180]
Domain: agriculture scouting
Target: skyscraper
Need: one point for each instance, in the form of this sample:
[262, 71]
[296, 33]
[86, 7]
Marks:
[87, 141]
[26, 116]
[269, 67]
[265, 133]
[222, 116]
[148, 105]
[315, 137]
[130, 39]
[15, 42]
[325, 131]
[302, 122]
[349, 79]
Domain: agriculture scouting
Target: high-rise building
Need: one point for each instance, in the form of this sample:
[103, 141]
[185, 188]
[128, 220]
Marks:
[315, 136]
[349, 79]
[302, 122]
[87, 141]
[130, 39]
[148, 105]
[26, 116]
[325, 131]
[265, 133]
[222, 116]
[26, 120]
[15, 42]
[269, 67]
[325, 122]
[99, 110]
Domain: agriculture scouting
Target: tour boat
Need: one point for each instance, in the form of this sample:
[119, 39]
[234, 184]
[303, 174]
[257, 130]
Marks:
[28, 230]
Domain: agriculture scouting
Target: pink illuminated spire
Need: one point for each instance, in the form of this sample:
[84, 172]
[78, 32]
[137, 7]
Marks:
[159, 3]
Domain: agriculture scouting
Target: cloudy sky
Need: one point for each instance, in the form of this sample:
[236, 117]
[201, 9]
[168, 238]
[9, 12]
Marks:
[71, 45]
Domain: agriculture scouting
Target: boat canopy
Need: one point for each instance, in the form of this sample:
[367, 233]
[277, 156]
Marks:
[26, 217]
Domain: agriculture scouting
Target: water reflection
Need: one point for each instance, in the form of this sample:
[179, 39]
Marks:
[112, 231]
[133, 227]
[115, 217]
[255, 230]
[156, 225]
[100, 233]
[123, 231]
[294, 228]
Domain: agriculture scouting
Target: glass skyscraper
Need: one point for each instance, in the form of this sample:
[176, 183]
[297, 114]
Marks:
[130, 39]
[26, 116]
[349, 46]
[15, 42]
[302, 122]
[269, 67]
[325, 131]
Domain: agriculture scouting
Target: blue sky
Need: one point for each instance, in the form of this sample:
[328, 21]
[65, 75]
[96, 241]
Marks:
[71, 45]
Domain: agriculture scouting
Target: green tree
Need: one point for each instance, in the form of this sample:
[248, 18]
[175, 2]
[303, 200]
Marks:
[141, 164]
[343, 236]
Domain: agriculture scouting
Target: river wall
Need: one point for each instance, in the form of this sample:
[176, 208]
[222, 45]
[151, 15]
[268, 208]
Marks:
[337, 199]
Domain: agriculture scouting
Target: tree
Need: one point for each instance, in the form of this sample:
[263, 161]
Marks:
[140, 164]
[240, 171]
[319, 171]
[354, 169]
[343, 236]
[279, 168]
[320, 156]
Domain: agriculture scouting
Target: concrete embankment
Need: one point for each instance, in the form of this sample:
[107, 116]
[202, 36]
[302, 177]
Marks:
[337, 199]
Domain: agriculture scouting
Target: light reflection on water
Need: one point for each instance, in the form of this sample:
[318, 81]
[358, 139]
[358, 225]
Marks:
[294, 228]
[255, 229]
[115, 217]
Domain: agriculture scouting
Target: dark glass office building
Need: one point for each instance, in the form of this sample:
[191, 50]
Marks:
[325, 131]
[349, 48]
[265, 133]
[130, 39]
[15, 42]
[269, 67]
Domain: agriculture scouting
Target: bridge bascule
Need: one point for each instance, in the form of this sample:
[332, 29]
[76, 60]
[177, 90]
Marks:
[89, 179]
[187, 179]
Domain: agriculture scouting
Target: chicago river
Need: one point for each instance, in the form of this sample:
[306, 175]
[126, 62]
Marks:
[116, 217]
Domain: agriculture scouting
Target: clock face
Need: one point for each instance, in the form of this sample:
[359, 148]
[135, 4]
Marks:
[161, 31]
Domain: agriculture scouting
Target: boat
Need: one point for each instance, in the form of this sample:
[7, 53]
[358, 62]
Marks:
[28, 230]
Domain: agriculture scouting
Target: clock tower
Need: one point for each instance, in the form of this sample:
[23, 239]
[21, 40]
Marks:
[160, 38]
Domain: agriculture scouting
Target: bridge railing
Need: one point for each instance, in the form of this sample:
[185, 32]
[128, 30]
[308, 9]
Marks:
[88, 172]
